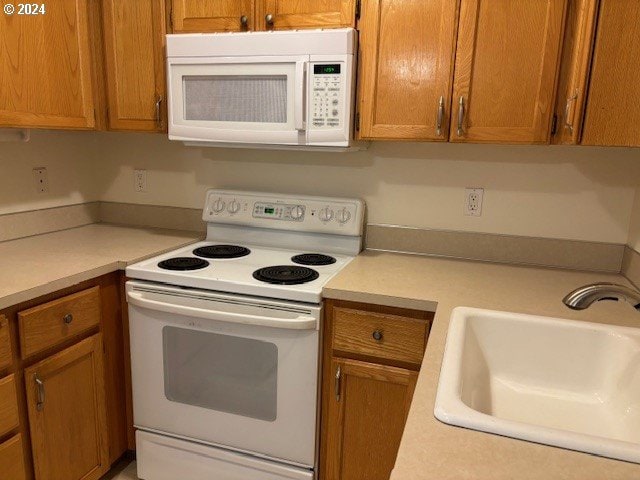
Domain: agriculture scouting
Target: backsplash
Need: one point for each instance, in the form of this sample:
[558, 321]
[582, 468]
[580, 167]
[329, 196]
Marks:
[576, 193]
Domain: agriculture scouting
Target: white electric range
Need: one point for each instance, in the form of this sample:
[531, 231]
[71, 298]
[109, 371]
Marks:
[225, 338]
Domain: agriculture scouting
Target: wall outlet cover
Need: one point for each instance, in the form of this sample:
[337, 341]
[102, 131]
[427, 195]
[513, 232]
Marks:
[473, 201]
[140, 180]
[40, 180]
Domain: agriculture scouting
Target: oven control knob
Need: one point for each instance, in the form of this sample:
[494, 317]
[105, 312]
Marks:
[218, 205]
[343, 216]
[326, 214]
[297, 212]
[234, 207]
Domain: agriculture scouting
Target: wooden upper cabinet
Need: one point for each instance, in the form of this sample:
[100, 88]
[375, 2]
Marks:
[133, 44]
[505, 71]
[292, 14]
[406, 56]
[613, 109]
[367, 411]
[46, 67]
[213, 15]
[574, 73]
[67, 419]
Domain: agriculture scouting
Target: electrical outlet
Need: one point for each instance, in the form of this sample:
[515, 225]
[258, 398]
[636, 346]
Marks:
[40, 180]
[473, 201]
[140, 180]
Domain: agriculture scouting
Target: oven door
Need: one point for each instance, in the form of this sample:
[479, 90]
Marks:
[238, 99]
[225, 370]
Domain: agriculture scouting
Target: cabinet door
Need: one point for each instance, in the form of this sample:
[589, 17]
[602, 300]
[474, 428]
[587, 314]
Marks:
[368, 406]
[212, 15]
[575, 64]
[613, 110]
[134, 37]
[292, 14]
[46, 67]
[66, 406]
[406, 56]
[505, 70]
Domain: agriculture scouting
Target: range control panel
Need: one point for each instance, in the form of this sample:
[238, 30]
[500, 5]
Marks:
[327, 109]
[310, 214]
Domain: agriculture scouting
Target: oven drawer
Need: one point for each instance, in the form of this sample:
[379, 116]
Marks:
[379, 335]
[52, 323]
[5, 343]
[166, 458]
[8, 405]
[12, 459]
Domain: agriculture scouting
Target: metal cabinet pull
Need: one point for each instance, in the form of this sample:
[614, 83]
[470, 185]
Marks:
[244, 21]
[40, 385]
[440, 118]
[159, 111]
[377, 335]
[269, 19]
[337, 385]
[461, 117]
[569, 125]
[67, 319]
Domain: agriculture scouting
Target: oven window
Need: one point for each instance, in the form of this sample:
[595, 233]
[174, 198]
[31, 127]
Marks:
[236, 98]
[220, 372]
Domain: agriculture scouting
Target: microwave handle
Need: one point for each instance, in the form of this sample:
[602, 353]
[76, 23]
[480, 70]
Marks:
[302, 322]
[300, 97]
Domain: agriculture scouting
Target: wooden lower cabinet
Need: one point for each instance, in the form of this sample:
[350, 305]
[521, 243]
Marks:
[67, 419]
[12, 459]
[366, 413]
[371, 358]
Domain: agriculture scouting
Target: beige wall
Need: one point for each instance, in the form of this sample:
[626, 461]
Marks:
[558, 192]
[70, 160]
[634, 227]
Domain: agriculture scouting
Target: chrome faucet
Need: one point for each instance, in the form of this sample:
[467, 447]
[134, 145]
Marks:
[583, 297]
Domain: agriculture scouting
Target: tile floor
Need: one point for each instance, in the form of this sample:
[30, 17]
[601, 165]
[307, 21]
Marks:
[123, 471]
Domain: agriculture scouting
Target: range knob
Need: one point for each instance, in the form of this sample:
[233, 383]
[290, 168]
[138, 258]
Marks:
[234, 207]
[297, 212]
[326, 214]
[343, 216]
[218, 205]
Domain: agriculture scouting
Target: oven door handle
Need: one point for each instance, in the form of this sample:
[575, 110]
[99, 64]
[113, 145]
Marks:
[301, 322]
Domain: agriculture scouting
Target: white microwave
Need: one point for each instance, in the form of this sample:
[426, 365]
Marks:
[289, 89]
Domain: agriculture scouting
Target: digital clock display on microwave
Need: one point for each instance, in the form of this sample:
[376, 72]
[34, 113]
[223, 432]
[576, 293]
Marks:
[333, 69]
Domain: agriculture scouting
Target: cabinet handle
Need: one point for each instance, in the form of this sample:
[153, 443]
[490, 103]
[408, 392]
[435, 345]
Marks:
[337, 385]
[567, 108]
[269, 19]
[244, 21]
[440, 116]
[159, 111]
[40, 385]
[461, 117]
[377, 335]
[67, 319]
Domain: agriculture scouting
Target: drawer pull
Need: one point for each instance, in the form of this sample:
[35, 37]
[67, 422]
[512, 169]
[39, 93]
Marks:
[68, 318]
[244, 21]
[40, 385]
[377, 335]
[269, 19]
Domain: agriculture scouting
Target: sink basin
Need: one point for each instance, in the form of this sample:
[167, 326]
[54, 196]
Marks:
[565, 383]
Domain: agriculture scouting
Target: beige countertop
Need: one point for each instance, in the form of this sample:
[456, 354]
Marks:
[34, 266]
[431, 449]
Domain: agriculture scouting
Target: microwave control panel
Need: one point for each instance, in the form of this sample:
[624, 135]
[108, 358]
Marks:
[327, 100]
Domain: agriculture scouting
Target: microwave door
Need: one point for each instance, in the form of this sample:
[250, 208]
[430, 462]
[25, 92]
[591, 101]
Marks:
[238, 99]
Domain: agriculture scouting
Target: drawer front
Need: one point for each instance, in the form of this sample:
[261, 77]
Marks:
[54, 322]
[8, 405]
[5, 343]
[12, 459]
[379, 335]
